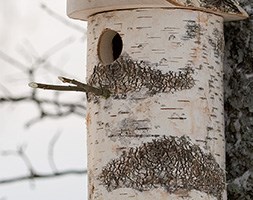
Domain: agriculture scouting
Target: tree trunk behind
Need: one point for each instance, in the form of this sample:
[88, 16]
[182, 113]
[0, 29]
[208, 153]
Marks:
[239, 106]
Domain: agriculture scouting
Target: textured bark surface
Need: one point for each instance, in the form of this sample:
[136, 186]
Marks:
[167, 103]
[239, 106]
[125, 76]
[171, 163]
[229, 6]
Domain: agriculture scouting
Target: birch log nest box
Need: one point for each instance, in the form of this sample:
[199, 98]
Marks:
[160, 134]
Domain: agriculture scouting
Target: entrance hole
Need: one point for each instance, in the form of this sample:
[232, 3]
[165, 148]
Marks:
[109, 46]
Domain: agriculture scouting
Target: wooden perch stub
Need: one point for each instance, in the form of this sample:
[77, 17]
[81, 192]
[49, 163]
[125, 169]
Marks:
[78, 87]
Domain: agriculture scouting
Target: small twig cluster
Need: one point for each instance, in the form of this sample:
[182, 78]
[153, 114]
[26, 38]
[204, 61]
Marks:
[78, 86]
[33, 174]
[59, 108]
[41, 64]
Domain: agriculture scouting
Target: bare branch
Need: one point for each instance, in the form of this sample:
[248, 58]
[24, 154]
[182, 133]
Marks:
[51, 151]
[62, 19]
[14, 62]
[59, 46]
[25, 158]
[20, 152]
[43, 176]
[55, 87]
[97, 91]
[63, 109]
[5, 90]
[11, 99]
[71, 81]
[31, 68]
[80, 87]
[48, 114]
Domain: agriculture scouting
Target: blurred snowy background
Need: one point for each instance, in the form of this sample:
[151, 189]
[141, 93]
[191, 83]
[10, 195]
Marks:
[42, 133]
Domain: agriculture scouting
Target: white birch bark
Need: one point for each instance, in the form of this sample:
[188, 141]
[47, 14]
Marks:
[150, 143]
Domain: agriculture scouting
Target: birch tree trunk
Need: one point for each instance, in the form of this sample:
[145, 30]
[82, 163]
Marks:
[161, 133]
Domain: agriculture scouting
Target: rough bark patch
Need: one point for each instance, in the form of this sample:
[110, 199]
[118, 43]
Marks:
[217, 43]
[126, 75]
[228, 6]
[222, 5]
[193, 30]
[173, 163]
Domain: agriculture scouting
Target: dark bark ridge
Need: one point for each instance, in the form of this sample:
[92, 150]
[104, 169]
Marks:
[194, 30]
[222, 5]
[126, 75]
[173, 163]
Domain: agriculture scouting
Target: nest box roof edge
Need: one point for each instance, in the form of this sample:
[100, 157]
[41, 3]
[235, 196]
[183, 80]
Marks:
[82, 9]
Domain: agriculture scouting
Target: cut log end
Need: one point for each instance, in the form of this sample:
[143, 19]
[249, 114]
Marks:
[33, 85]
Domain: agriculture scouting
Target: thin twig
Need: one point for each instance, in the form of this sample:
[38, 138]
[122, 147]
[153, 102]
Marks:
[25, 158]
[56, 87]
[64, 109]
[14, 62]
[71, 81]
[51, 151]
[12, 99]
[79, 86]
[52, 115]
[5, 90]
[58, 47]
[97, 91]
[43, 176]
[20, 152]
[88, 88]
[61, 19]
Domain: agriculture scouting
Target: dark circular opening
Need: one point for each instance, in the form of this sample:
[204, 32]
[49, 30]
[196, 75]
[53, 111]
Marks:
[110, 46]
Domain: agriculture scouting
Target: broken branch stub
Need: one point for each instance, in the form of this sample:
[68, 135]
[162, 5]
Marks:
[79, 87]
